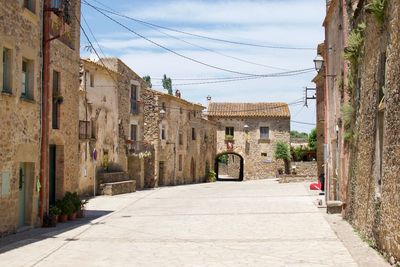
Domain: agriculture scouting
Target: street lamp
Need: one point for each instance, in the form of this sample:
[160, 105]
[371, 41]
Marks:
[318, 62]
[162, 113]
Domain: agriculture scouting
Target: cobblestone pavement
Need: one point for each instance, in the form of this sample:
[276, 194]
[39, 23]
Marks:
[253, 223]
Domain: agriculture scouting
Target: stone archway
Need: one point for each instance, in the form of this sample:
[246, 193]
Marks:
[240, 166]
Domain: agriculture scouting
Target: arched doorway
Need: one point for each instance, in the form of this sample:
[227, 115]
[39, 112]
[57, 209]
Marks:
[229, 166]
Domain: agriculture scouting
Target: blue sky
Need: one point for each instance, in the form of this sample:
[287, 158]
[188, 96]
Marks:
[270, 22]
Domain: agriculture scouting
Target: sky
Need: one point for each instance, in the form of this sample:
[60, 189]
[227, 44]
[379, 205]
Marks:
[278, 23]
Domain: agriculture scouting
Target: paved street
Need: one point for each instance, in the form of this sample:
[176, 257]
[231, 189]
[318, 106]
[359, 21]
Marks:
[256, 223]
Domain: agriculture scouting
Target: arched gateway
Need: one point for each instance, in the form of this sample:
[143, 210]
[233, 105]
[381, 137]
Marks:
[229, 166]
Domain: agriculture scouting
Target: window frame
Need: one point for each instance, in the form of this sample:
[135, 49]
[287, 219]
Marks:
[7, 70]
[230, 130]
[55, 115]
[263, 135]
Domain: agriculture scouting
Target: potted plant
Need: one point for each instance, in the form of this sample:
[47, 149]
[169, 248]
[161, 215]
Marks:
[64, 207]
[212, 176]
[54, 212]
[73, 203]
[81, 211]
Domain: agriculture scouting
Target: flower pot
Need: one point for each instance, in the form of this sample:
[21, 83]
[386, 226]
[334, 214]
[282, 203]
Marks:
[62, 218]
[80, 214]
[72, 216]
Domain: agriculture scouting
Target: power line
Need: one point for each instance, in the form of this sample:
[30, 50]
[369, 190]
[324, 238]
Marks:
[305, 123]
[176, 53]
[238, 79]
[211, 50]
[111, 11]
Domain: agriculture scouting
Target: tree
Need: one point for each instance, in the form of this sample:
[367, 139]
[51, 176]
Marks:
[282, 151]
[296, 134]
[147, 79]
[312, 139]
[167, 84]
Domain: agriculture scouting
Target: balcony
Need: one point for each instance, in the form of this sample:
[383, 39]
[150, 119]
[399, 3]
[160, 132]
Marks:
[139, 149]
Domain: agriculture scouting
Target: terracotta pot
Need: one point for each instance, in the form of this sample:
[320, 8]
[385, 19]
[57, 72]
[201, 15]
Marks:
[80, 214]
[72, 216]
[62, 218]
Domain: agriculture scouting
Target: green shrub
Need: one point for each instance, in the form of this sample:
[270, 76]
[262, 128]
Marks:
[377, 8]
[352, 52]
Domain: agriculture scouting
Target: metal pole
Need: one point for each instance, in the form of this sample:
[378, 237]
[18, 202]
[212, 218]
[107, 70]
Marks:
[44, 146]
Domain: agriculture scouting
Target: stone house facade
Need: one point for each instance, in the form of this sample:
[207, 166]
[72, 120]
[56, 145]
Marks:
[111, 119]
[367, 120]
[184, 141]
[64, 95]
[251, 131]
[20, 42]
[20, 110]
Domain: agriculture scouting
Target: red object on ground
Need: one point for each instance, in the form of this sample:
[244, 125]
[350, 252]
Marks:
[315, 186]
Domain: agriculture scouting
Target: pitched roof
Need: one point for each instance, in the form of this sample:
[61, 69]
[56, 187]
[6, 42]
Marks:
[279, 110]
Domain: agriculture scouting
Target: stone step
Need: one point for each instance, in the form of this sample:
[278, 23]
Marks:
[334, 206]
[117, 188]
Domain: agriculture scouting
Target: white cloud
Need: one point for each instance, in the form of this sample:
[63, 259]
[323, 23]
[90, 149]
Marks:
[289, 23]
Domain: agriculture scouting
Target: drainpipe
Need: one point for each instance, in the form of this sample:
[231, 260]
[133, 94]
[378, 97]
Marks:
[45, 112]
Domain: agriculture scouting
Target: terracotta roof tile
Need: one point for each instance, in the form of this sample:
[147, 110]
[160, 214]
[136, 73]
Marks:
[249, 110]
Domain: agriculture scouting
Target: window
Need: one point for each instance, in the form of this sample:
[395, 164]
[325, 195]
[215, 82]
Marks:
[180, 139]
[134, 99]
[163, 106]
[133, 132]
[91, 80]
[163, 132]
[193, 134]
[264, 154]
[180, 162]
[230, 131]
[84, 129]
[188, 115]
[264, 132]
[6, 70]
[56, 100]
[30, 5]
[27, 79]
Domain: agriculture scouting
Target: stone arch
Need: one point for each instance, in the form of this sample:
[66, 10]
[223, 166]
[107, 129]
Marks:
[241, 170]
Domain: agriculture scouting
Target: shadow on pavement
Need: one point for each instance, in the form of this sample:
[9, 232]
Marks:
[33, 235]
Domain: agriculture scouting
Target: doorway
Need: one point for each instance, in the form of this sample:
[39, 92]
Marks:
[52, 174]
[161, 173]
[229, 166]
[22, 195]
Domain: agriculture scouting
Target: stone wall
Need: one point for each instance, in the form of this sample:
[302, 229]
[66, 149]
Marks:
[65, 59]
[371, 180]
[185, 162]
[259, 162]
[19, 117]
[375, 204]
[305, 168]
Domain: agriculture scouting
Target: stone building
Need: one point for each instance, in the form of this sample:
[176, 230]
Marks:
[111, 125]
[184, 141]
[20, 44]
[250, 131]
[362, 92]
[64, 94]
[20, 108]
